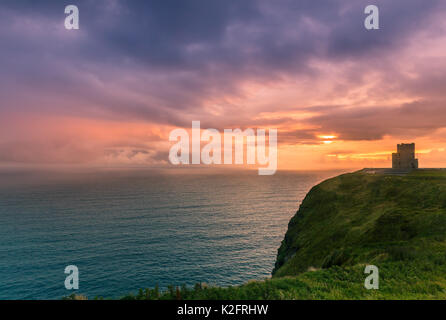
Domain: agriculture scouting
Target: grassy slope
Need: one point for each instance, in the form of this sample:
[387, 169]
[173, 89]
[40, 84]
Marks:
[397, 223]
[362, 218]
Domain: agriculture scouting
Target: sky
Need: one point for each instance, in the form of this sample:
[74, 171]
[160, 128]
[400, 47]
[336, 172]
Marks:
[110, 93]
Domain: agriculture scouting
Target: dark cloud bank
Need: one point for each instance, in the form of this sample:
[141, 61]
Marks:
[160, 61]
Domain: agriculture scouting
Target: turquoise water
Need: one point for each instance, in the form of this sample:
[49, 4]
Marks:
[127, 229]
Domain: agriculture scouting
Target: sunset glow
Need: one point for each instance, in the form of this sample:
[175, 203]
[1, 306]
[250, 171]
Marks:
[80, 101]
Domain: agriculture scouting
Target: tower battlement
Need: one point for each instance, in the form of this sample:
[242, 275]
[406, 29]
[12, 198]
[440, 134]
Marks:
[404, 158]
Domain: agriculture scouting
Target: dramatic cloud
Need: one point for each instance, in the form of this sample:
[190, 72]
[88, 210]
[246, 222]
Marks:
[309, 68]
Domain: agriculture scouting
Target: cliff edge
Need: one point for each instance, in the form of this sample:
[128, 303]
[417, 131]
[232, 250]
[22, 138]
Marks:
[367, 218]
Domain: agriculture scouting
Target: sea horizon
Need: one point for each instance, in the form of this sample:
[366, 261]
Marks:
[131, 229]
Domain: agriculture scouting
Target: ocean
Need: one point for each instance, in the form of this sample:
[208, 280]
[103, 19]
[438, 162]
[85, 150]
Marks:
[134, 228]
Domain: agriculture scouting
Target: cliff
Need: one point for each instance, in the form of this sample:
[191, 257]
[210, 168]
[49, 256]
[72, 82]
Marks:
[363, 218]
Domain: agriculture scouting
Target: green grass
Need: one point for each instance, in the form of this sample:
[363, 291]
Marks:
[397, 223]
[362, 218]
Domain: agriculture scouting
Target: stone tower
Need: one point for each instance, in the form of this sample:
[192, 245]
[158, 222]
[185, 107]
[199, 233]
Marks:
[404, 158]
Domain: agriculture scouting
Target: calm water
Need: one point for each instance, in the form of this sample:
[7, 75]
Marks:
[130, 229]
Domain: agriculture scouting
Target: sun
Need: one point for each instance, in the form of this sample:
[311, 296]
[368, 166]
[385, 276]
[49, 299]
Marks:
[327, 138]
